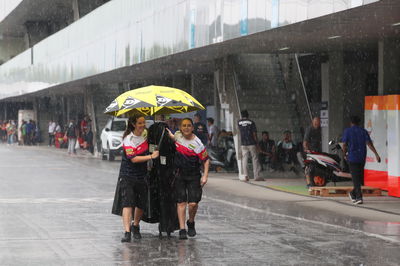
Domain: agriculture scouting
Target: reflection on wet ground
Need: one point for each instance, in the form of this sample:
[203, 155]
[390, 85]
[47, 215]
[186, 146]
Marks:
[58, 217]
[75, 233]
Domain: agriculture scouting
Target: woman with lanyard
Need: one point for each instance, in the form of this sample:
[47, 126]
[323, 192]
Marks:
[132, 175]
[190, 155]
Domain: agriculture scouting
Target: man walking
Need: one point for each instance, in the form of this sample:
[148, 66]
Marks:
[248, 137]
[355, 140]
[312, 142]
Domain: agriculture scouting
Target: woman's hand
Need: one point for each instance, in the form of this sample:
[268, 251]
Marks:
[203, 180]
[170, 133]
[155, 154]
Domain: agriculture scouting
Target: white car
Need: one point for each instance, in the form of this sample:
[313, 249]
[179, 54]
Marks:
[111, 137]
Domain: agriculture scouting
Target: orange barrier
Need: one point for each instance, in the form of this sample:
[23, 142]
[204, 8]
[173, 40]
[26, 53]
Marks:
[382, 121]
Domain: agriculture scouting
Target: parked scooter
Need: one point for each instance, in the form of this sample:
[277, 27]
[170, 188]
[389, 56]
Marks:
[327, 167]
[223, 156]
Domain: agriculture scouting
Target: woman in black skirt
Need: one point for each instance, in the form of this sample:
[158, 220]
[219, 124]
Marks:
[133, 174]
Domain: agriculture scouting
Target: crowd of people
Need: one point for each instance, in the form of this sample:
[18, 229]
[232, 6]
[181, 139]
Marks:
[8, 132]
[28, 133]
[74, 136]
[274, 155]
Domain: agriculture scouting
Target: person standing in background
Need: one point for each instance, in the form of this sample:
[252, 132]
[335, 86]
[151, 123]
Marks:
[213, 132]
[312, 142]
[72, 133]
[11, 129]
[23, 132]
[249, 145]
[51, 131]
[200, 130]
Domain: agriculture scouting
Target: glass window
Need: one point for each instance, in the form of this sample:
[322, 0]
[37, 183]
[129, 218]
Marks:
[118, 126]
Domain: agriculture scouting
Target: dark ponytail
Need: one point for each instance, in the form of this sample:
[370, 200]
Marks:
[130, 127]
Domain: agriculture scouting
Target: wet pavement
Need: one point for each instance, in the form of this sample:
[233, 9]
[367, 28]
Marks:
[55, 210]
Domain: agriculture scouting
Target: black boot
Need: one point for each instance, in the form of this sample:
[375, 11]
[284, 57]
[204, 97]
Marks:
[191, 231]
[182, 234]
[136, 232]
[127, 237]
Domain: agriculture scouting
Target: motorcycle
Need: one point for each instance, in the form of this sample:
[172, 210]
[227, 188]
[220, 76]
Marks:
[327, 167]
[223, 156]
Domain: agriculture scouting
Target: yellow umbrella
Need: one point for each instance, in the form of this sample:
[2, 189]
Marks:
[153, 100]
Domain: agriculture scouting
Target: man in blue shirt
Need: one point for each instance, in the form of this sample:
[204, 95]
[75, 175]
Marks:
[249, 144]
[355, 140]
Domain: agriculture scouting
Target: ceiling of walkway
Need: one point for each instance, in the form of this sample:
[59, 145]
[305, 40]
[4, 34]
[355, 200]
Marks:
[34, 10]
[59, 11]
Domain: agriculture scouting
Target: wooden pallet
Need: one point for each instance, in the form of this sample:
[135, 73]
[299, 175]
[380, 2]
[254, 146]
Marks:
[344, 191]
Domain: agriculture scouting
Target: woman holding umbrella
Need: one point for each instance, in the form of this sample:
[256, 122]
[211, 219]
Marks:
[190, 155]
[132, 175]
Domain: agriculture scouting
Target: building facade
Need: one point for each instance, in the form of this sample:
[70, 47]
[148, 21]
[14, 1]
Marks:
[283, 61]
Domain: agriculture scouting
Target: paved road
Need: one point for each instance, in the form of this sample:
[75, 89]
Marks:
[55, 210]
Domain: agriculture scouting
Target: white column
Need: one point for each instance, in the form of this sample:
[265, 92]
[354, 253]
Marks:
[325, 98]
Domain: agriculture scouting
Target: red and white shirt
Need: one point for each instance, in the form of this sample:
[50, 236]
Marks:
[190, 153]
[134, 146]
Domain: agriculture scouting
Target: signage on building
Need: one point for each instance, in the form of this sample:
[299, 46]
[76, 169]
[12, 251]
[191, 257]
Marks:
[324, 114]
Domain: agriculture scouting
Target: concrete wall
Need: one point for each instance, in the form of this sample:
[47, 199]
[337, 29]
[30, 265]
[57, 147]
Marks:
[266, 97]
[389, 66]
[202, 88]
[10, 47]
[7, 6]
[345, 82]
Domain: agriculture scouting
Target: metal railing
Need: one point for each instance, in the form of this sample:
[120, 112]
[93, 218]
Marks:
[236, 87]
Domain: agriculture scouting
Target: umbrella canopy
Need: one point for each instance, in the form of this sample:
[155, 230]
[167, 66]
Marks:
[153, 100]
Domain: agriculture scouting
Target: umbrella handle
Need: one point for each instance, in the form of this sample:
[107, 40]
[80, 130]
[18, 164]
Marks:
[149, 202]
[161, 138]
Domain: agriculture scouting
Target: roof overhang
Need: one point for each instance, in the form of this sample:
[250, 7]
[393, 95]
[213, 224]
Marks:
[354, 29]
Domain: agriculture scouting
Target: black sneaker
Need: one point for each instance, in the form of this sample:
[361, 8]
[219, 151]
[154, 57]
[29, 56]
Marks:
[182, 234]
[191, 231]
[127, 237]
[352, 197]
[136, 232]
[358, 202]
